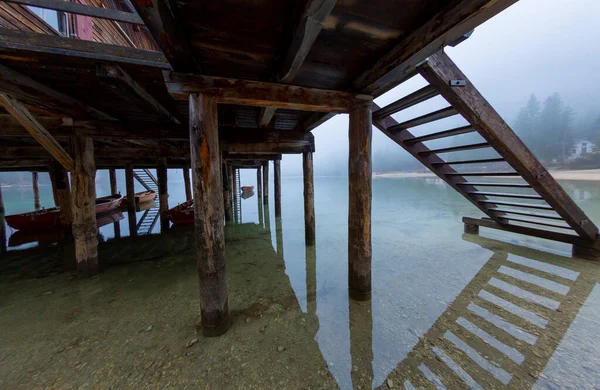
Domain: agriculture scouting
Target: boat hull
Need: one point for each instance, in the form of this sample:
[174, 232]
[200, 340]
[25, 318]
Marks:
[247, 188]
[108, 203]
[35, 221]
[141, 197]
[182, 214]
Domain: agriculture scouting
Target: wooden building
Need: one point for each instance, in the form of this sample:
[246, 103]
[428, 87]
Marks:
[238, 84]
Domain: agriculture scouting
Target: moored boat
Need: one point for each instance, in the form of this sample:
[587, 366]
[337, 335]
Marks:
[141, 197]
[41, 220]
[247, 188]
[182, 214]
[108, 203]
[246, 195]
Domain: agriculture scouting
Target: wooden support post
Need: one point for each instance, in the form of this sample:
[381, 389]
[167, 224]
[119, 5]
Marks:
[130, 189]
[261, 212]
[259, 182]
[36, 190]
[187, 183]
[309, 198]
[163, 193]
[277, 177]
[471, 229]
[227, 192]
[235, 193]
[587, 253]
[112, 173]
[359, 198]
[84, 207]
[2, 225]
[208, 209]
[266, 183]
[60, 181]
[311, 280]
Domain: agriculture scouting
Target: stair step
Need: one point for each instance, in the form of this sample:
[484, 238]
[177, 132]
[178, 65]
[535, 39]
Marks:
[507, 185]
[516, 204]
[408, 101]
[550, 224]
[441, 134]
[528, 214]
[505, 195]
[464, 162]
[482, 145]
[482, 174]
[428, 118]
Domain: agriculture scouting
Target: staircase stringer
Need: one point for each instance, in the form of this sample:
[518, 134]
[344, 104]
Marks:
[415, 149]
[439, 70]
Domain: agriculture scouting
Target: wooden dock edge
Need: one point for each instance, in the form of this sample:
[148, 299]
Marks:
[582, 248]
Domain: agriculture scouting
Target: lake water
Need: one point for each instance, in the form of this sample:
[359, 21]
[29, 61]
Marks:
[447, 309]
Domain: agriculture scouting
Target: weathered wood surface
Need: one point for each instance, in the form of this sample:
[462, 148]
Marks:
[160, 16]
[124, 80]
[43, 43]
[85, 231]
[266, 183]
[60, 183]
[187, 183]
[36, 130]
[438, 71]
[359, 203]
[309, 198]
[130, 190]
[82, 9]
[36, 190]
[408, 101]
[209, 214]
[112, 173]
[227, 192]
[3, 246]
[259, 181]
[19, 17]
[277, 184]
[163, 193]
[262, 94]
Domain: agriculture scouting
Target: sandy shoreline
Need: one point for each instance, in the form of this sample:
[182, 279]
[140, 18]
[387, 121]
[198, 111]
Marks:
[587, 175]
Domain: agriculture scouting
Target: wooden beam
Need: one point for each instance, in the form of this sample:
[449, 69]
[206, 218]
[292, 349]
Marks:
[36, 190]
[359, 204]
[277, 182]
[259, 182]
[82, 9]
[309, 198]
[113, 181]
[262, 94]
[163, 193]
[60, 182]
[44, 43]
[313, 121]
[119, 76]
[266, 184]
[36, 130]
[187, 183]
[454, 21]
[160, 16]
[227, 191]
[439, 70]
[130, 191]
[85, 231]
[32, 92]
[227, 156]
[208, 214]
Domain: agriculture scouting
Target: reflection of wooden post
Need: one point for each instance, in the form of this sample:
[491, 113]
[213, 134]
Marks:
[117, 227]
[227, 192]
[163, 193]
[112, 174]
[261, 218]
[361, 344]
[309, 198]
[258, 182]
[266, 183]
[60, 180]
[208, 214]
[2, 225]
[311, 280]
[277, 176]
[130, 187]
[85, 231]
[235, 194]
[267, 217]
[359, 197]
[36, 190]
[186, 182]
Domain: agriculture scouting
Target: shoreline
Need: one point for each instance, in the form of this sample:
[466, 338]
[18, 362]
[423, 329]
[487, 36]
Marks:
[579, 175]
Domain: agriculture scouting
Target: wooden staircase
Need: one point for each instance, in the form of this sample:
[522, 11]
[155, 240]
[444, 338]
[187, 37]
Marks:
[147, 221]
[532, 206]
[146, 179]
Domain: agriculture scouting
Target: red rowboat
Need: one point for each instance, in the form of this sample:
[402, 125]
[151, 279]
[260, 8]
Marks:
[247, 188]
[182, 213]
[108, 203]
[41, 220]
[142, 197]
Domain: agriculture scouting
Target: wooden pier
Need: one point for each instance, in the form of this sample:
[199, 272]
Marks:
[218, 88]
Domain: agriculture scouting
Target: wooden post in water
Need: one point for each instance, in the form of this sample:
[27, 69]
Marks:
[277, 177]
[309, 198]
[163, 193]
[112, 174]
[359, 199]
[227, 193]
[36, 190]
[62, 193]
[186, 182]
[208, 209]
[261, 217]
[266, 183]
[471, 228]
[235, 194]
[53, 184]
[85, 231]
[130, 188]
[258, 182]
[2, 225]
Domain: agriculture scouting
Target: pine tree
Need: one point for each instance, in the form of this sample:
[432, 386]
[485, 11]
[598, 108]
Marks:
[527, 124]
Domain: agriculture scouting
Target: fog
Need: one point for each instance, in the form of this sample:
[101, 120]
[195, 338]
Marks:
[535, 46]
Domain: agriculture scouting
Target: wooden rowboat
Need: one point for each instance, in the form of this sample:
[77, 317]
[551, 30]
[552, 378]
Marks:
[182, 214]
[108, 203]
[41, 220]
[141, 197]
[247, 188]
